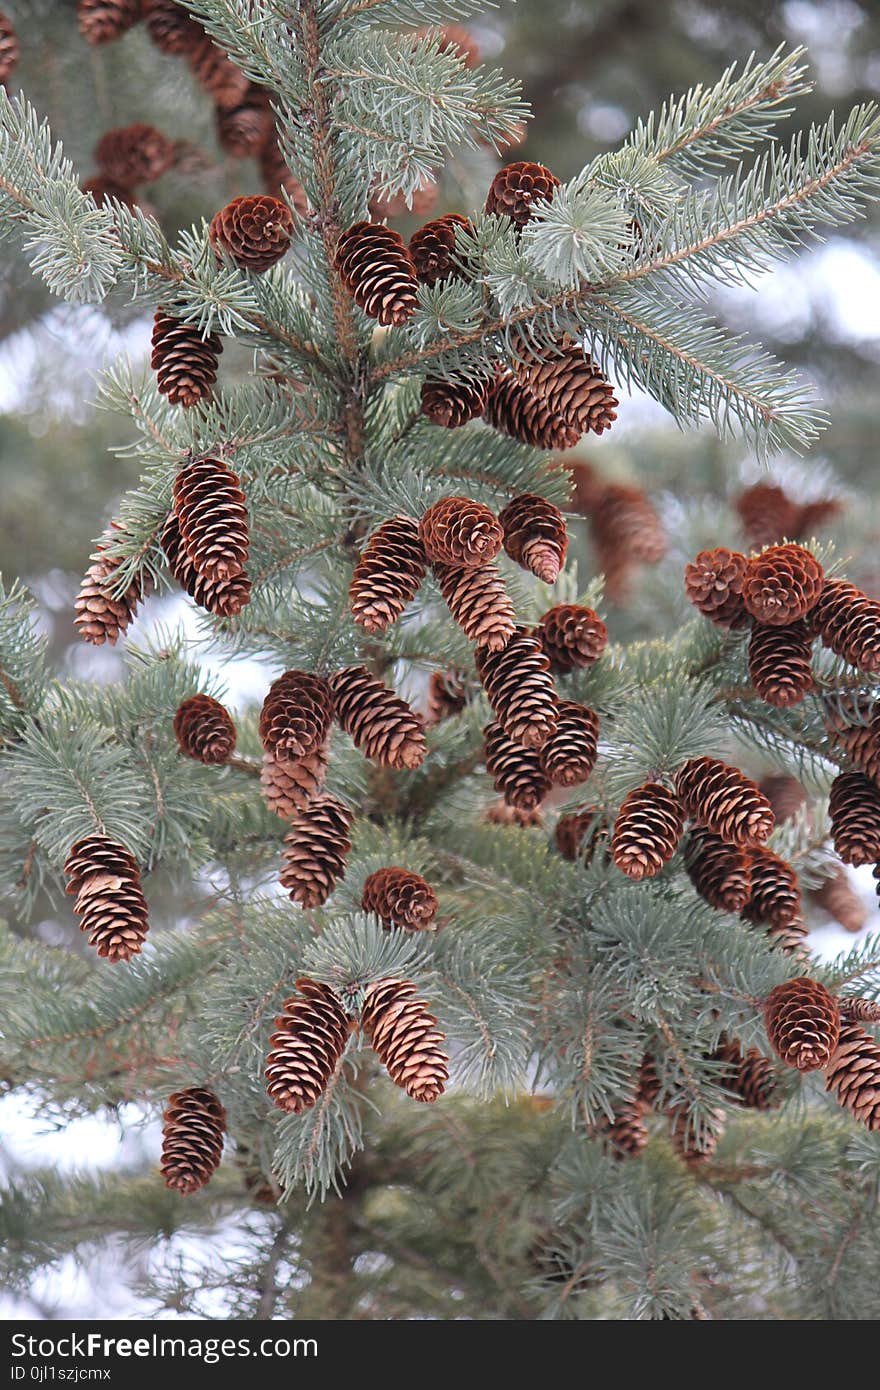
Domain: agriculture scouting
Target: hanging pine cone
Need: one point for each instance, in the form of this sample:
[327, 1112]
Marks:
[499, 813]
[225, 598]
[306, 1047]
[102, 21]
[580, 833]
[775, 898]
[185, 363]
[276, 174]
[694, 1146]
[516, 771]
[782, 584]
[854, 728]
[803, 1023]
[254, 232]
[572, 386]
[725, 801]
[405, 1038]
[388, 574]
[647, 830]
[649, 1085]
[289, 784]
[454, 403]
[401, 899]
[626, 1134]
[515, 411]
[432, 249]
[213, 518]
[204, 730]
[856, 1010]
[572, 637]
[9, 48]
[520, 689]
[193, 1127]
[780, 663]
[101, 616]
[721, 873]
[853, 1074]
[421, 201]
[516, 189]
[535, 535]
[786, 795]
[569, 755]
[109, 899]
[848, 622]
[383, 726]
[172, 29]
[749, 1075]
[713, 583]
[296, 714]
[134, 154]
[459, 532]
[854, 809]
[224, 82]
[448, 694]
[243, 130]
[768, 514]
[103, 189]
[315, 850]
[378, 272]
[836, 896]
[626, 531]
[479, 603]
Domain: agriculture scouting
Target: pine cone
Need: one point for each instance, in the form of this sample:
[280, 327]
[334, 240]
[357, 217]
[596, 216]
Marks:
[288, 785]
[315, 850]
[649, 1083]
[243, 130]
[185, 363]
[721, 873]
[848, 622]
[405, 1038]
[378, 272]
[855, 1010]
[775, 899]
[448, 693]
[569, 755]
[401, 899]
[296, 714]
[382, 725]
[224, 82]
[103, 189]
[10, 50]
[432, 249]
[134, 154]
[815, 515]
[213, 518]
[580, 833]
[626, 531]
[803, 1023]
[571, 637]
[749, 1075]
[454, 38]
[419, 203]
[516, 189]
[535, 535]
[193, 1127]
[388, 574]
[306, 1047]
[516, 771]
[172, 29]
[573, 387]
[854, 728]
[782, 584]
[853, 1074]
[725, 801]
[109, 900]
[836, 896]
[520, 688]
[454, 403]
[647, 830]
[691, 1146]
[515, 411]
[204, 730]
[456, 531]
[479, 603]
[254, 232]
[627, 1134]
[102, 21]
[854, 808]
[225, 598]
[768, 515]
[780, 663]
[101, 617]
[276, 174]
[713, 583]
[786, 795]
[499, 813]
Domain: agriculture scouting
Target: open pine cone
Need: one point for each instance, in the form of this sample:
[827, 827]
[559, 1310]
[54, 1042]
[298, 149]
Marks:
[516, 189]
[255, 232]
[803, 1023]
[458, 532]
[782, 585]
[432, 249]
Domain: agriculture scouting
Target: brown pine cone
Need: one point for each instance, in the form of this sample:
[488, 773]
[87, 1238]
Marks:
[172, 29]
[383, 726]
[572, 386]
[185, 363]
[296, 714]
[193, 1127]
[103, 189]
[479, 603]
[456, 531]
[749, 1075]
[315, 850]
[378, 272]
[289, 784]
[515, 411]
[572, 637]
[803, 1023]
[102, 21]
[814, 515]
[520, 688]
[134, 154]
[109, 900]
[388, 574]
[768, 515]
[421, 201]
[213, 518]
[647, 830]
[204, 730]
[243, 130]
[626, 530]
[454, 38]
[224, 82]
[721, 873]
[516, 771]
[276, 174]
[853, 1074]
[535, 535]
[306, 1047]
[725, 801]
[626, 1134]
[855, 730]
[448, 694]
[713, 583]
[432, 249]
[499, 813]
[454, 403]
[580, 833]
[401, 899]
[694, 1147]
[780, 663]
[775, 898]
[848, 622]
[516, 189]
[254, 232]
[9, 48]
[649, 1084]
[786, 795]
[405, 1038]
[854, 808]
[782, 585]
[836, 896]
[100, 615]
[856, 1010]
[225, 598]
[569, 755]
